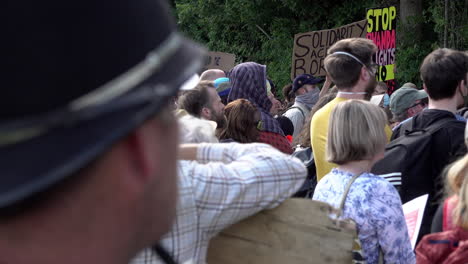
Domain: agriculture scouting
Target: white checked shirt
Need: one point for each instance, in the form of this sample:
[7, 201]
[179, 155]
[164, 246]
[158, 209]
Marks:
[228, 183]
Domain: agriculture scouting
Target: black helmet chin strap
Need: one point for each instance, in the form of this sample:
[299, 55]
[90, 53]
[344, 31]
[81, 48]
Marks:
[163, 254]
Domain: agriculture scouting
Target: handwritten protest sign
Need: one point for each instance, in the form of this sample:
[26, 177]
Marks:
[220, 60]
[381, 28]
[310, 49]
[414, 211]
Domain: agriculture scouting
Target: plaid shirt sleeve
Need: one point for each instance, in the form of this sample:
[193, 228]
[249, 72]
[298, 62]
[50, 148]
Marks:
[226, 184]
[240, 180]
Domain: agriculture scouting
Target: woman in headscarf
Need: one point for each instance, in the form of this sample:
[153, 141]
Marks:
[248, 81]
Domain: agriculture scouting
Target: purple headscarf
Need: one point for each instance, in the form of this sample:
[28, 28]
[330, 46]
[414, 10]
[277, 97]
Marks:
[248, 81]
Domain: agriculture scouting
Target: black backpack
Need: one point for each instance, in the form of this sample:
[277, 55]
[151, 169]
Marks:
[307, 158]
[411, 155]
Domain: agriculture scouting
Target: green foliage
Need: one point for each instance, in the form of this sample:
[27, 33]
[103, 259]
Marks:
[411, 52]
[457, 23]
[408, 60]
[263, 30]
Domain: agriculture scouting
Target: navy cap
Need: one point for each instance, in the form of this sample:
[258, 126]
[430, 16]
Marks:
[304, 79]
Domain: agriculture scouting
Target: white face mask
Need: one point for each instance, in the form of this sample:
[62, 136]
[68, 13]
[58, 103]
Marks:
[310, 98]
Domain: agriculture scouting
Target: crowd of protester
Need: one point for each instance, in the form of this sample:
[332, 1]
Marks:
[96, 170]
[347, 135]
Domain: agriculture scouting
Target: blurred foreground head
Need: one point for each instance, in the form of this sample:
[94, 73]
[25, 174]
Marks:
[85, 106]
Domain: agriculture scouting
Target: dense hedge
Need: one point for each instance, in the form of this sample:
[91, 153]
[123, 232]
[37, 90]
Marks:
[263, 30]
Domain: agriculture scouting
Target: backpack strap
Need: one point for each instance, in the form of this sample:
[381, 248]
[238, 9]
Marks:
[345, 194]
[297, 107]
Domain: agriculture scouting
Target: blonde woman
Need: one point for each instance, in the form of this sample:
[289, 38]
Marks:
[450, 246]
[356, 141]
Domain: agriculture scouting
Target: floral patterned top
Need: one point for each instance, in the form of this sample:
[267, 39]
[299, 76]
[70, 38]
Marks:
[375, 206]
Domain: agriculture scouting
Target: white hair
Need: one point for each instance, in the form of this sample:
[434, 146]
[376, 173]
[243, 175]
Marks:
[196, 130]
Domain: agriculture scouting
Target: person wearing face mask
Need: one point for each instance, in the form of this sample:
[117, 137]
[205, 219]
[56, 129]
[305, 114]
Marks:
[307, 94]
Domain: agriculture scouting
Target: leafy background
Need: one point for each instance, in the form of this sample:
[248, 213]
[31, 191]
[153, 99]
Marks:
[263, 30]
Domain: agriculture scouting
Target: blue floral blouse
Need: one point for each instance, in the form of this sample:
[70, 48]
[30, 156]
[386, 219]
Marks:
[375, 206]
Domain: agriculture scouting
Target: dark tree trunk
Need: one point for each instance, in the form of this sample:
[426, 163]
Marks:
[411, 21]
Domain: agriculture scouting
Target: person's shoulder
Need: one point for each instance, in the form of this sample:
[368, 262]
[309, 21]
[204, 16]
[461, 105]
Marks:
[334, 102]
[329, 183]
[430, 116]
[371, 178]
[376, 183]
[324, 112]
[453, 126]
[278, 141]
[406, 121]
[458, 124]
[295, 109]
[332, 175]
[268, 134]
[318, 115]
[301, 106]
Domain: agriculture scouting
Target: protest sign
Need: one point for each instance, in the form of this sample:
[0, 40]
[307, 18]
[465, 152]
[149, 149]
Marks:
[381, 28]
[414, 211]
[310, 49]
[220, 60]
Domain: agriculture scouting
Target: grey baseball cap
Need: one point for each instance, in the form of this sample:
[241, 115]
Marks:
[404, 98]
